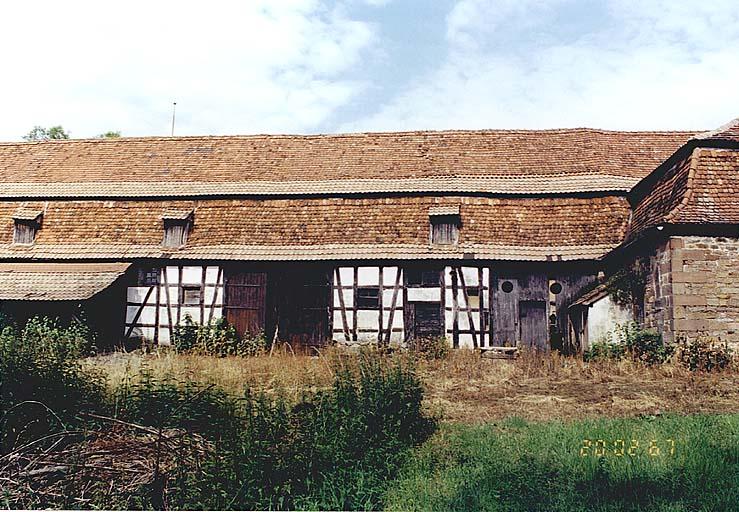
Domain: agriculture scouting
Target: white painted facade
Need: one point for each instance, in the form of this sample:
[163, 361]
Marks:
[163, 298]
[604, 315]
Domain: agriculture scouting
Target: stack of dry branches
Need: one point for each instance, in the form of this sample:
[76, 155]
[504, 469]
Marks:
[106, 467]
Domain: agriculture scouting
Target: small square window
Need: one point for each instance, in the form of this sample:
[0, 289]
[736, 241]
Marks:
[24, 231]
[368, 297]
[148, 276]
[445, 229]
[175, 232]
[190, 296]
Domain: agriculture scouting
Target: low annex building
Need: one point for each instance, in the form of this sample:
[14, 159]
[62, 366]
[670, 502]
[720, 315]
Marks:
[490, 237]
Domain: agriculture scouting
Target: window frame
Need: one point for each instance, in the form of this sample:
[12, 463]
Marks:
[185, 288]
[358, 297]
[170, 224]
[32, 227]
[444, 229]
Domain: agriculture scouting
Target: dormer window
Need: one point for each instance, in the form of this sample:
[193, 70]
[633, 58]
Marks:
[445, 222]
[27, 222]
[177, 225]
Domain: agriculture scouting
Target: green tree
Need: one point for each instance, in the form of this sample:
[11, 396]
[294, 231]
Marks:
[109, 135]
[41, 133]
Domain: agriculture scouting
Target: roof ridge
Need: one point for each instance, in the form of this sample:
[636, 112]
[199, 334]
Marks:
[350, 135]
[718, 131]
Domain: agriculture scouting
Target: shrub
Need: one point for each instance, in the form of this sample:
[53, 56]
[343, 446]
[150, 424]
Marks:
[43, 385]
[604, 351]
[703, 354]
[216, 338]
[167, 403]
[431, 348]
[334, 449]
[644, 345]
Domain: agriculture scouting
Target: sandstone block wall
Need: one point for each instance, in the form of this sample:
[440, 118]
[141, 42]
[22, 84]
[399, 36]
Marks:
[694, 288]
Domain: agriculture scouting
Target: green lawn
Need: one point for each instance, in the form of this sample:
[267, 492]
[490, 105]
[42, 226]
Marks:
[681, 463]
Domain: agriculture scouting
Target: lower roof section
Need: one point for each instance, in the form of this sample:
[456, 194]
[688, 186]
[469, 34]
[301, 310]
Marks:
[57, 281]
[327, 252]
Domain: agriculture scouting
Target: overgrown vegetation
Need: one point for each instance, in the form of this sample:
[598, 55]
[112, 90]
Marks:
[43, 384]
[627, 285]
[436, 347]
[704, 354]
[667, 463]
[648, 347]
[158, 442]
[216, 338]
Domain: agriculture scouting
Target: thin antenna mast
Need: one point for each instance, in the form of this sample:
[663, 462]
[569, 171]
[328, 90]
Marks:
[174, 109]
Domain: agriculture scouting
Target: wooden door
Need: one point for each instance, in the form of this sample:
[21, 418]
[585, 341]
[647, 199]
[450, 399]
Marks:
[303, 296]
[533, 323]
[426, 320]
[245, 300]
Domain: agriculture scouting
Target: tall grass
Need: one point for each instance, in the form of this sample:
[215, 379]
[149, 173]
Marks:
[514, 465]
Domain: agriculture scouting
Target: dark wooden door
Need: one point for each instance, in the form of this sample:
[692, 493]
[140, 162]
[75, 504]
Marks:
[303, 298]
[426, 320]
[245, 300]
[533, 323]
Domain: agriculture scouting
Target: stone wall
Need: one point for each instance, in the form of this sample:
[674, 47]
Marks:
[693, 288]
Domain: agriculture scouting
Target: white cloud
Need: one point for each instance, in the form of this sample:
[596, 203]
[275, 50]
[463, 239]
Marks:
[232, 67]
[651, 65]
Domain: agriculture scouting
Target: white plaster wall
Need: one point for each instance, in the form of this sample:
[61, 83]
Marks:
[367, 319]
[471, 280]
[191, 275]
[603, 317]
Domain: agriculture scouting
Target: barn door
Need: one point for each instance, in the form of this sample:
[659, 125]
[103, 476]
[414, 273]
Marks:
[302, 295]
[245, 300]
[533, 323]
[426, 320]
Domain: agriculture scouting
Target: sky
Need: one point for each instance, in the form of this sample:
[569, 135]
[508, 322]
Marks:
[333, 66]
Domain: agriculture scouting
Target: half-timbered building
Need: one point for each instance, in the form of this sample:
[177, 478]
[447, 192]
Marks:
[488, 238]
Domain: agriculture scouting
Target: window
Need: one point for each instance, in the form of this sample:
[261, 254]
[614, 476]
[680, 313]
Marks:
[175, 232]
[445, 229]
[148, 276]
[25, 231]
[190, 296]
[507, 286]
[368, 297]
[445, 222]
[425, 278]
[555, 288]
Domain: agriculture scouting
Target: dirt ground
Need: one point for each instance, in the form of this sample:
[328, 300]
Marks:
[465, 388]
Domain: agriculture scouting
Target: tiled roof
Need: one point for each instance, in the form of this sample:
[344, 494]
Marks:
[28, 212]
[700, 189]
[444, 210]
[728, 132]
[491, 161]
[56, 281]
[327, 228]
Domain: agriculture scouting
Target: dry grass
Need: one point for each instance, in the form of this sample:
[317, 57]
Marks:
[468, 389]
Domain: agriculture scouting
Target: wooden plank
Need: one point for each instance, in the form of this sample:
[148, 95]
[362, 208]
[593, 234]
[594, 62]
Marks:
[407, 316]
[392, 310]
[169, 302]
[179, 294]
[342, 304]
[442, 301]
[491, 326]
[202, 296]
[455, 310]
[481, 307]
[354, 306]
[379, 314]
[467, 304]
[215, 294]
[140, 310]
[156, 311]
